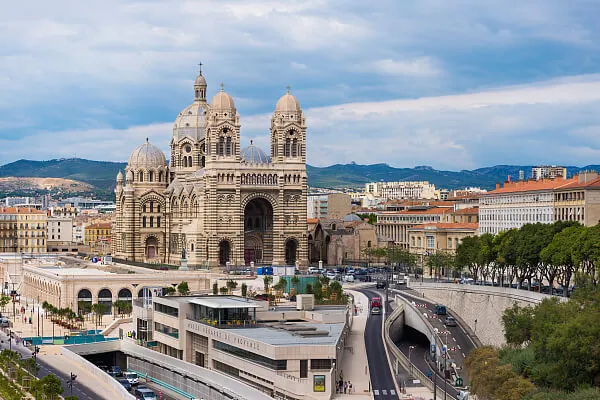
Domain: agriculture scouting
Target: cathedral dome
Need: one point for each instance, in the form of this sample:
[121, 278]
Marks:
[191, 121]
[222, 101]
[147, 156]
[288, 103]
[254, 155]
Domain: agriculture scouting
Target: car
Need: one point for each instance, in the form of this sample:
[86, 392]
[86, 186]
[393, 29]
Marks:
[313, 270]
[262, 296]
[4, 323]
[103, 367]
[331, 275]
[164, 268]
[131, 377]
[349, 278]
[115, 370]
[450, 321]
[125, 383]
[462, 395]
[381, 285]
[143, 393]
[440, 309]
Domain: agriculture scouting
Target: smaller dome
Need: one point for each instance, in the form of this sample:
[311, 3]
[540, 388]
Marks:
[222, 101]
[352, 218]
[288, 103]
[120, 176]
[147, 156]
[200, 81]
[254, 155]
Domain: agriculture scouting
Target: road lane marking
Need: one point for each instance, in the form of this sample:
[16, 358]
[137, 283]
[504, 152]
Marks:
[458, 345]
[454, 339]
[376, 392]
[384, 392]
[464, 355]
[393, 392]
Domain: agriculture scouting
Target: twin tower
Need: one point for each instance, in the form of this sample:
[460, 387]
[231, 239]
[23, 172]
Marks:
[215, 203]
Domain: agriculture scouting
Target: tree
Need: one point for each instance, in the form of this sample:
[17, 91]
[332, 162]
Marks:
[4, 300]
[295, 281]
[370, 217]
[215, 288]
[231, 285]
[49, 386]
[267, 280]
[244, 289]
[183, 288]
[518, 322]
[31, 365]
[224, 290]
[309, 288]
[467, 256]
[169, 290]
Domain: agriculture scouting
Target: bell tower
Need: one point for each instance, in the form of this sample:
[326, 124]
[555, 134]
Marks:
[288, 131]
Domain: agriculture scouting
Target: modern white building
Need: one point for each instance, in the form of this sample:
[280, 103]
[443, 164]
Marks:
[287, 352]
[402, 190]
[332, 205]
[60, 229]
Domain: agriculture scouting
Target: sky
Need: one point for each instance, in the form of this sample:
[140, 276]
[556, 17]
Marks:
[452, 84]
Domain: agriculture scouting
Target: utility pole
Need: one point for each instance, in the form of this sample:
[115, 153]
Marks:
[70, 382]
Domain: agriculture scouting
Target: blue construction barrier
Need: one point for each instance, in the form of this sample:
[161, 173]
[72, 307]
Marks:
[162, 384]
[62, 340]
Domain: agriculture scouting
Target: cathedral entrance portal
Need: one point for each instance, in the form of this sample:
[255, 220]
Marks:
[291, 249]
[151, 246]
[224, 252]
[258, 232]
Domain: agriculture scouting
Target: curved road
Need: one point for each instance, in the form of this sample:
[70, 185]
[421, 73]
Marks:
[382, 380]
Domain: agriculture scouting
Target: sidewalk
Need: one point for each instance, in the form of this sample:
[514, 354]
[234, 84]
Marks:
[354, 363]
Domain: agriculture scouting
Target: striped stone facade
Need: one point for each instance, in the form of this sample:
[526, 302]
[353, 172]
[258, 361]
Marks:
[214, 203]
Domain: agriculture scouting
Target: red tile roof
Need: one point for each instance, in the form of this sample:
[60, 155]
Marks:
[595, 183]
[20, 210]
[470, 210]
[532, 186]
[101, 225]
[434, 210]
[312, 220]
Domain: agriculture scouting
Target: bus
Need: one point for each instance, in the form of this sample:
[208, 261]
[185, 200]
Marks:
[375, 305]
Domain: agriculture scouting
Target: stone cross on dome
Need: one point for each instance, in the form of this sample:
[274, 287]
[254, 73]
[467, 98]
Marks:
[200, 65]
[288, 87]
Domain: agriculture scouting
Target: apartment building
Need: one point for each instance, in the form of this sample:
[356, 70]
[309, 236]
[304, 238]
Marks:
[446, 236]
[401, 190]
[394, 225]
[579, 200]
[31, 226]
[332, 205]
[548, 172]
[98, 237]
[8, 233]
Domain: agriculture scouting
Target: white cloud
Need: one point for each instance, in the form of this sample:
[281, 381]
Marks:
[418, 67]
[550, 122]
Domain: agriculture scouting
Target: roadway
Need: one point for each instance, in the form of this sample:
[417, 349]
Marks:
[458, 342]
[382, 380]
[81, 392]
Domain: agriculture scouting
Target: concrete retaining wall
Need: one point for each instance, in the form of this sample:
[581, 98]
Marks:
[97, 373]
[480, 307]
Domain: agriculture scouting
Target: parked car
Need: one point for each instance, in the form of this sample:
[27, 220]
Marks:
[349, 278]
[450, 321]
[462, 395]
[125, 383]
[313, 270]
[131, 377]
[381, 285]
[115, 370]
[262, 296]
[4, 322]
[331, 275]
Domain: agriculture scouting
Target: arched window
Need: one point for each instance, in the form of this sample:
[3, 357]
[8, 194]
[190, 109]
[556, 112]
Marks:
[158, 222]
[151, 222]
[144, 208]
[190, 164]
[158, 207]
[151, 176]
[185, 161]
[151, 206]
[144, 221]
[286, 150]
[295, 148]
[228, 146]
[160, 176]
[221, 148]
[141, 176]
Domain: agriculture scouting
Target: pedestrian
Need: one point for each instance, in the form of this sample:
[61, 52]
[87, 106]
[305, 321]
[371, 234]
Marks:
[345, 387]
[350, 387]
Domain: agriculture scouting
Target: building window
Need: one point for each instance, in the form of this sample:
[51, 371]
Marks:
[158, 222]
[278, 365]
[151, 222]
[303, 368]
[323, 363]
[144, 221]
[164, 309]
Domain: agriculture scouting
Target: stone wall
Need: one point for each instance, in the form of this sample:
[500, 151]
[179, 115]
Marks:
[480, 307]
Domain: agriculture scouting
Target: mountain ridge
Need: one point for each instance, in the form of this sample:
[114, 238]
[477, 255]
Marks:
[102, 174]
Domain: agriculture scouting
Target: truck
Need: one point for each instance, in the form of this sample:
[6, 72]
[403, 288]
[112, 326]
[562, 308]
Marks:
[375, 305]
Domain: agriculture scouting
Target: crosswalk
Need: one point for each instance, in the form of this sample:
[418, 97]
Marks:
[384, 392]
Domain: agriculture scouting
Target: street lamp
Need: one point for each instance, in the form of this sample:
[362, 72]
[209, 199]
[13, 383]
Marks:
[410, 349]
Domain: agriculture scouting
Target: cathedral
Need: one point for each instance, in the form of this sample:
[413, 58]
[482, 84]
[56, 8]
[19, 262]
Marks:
[214, 203]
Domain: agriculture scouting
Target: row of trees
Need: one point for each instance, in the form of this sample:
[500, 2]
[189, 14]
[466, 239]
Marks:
[552, 350]
[533, 253]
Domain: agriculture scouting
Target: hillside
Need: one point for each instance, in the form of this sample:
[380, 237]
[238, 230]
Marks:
[102, 174]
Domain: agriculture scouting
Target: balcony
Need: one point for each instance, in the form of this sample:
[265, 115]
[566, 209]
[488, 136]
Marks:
[229, 324]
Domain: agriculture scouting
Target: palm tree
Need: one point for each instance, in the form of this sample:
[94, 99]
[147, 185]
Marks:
[268, 279]
[231, 284]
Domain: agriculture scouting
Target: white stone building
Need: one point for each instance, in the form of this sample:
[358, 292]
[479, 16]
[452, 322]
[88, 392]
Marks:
[402, 190]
